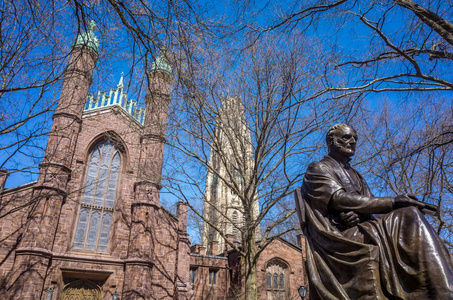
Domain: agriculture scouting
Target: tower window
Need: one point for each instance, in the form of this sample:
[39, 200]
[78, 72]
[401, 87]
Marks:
[98, 198]
[236, 232]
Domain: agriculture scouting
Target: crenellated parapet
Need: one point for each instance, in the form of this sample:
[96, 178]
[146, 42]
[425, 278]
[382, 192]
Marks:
[116, 97]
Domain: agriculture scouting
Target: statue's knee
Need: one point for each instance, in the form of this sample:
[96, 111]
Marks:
[410, 211]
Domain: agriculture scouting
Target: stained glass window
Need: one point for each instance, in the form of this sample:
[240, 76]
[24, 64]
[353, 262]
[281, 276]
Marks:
[275, 281]
[98, 198]
[276, 278]
[281, 285]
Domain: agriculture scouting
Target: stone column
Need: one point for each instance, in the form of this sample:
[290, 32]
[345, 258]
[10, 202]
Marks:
[153, 138]
[33, 256]
[145, 207]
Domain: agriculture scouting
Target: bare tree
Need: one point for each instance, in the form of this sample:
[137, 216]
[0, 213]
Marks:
[400, 50]
[411, 153]
[283, 115]
[294, 77]
[36, 41]
[383, 46]
[30, 71]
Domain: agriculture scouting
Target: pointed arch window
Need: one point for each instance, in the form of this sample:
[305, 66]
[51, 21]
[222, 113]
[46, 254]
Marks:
[277, 284]
[269, 281]
[98, 198]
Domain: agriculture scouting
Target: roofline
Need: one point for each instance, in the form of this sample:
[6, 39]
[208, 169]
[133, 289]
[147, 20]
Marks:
[111, 108]
[17, 188]
[285, 242]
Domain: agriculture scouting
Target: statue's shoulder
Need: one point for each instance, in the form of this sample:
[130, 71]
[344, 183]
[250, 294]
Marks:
[325, 165]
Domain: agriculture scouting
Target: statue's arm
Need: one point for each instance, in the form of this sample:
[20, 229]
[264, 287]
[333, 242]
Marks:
[326, 192]
[344, 201]
[326, 188]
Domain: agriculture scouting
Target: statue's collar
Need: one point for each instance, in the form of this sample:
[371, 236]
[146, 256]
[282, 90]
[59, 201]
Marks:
[345, 165]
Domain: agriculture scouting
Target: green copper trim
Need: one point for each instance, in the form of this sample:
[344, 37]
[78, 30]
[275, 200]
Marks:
[161, 63]
[88, 38]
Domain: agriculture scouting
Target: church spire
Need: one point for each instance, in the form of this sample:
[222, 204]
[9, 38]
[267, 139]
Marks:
[161, 63]
[120, 83]
[88, 38]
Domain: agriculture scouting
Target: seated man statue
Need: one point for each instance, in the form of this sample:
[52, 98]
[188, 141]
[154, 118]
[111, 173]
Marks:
[353, 255]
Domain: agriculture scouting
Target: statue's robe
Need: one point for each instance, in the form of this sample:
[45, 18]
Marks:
[395, 256]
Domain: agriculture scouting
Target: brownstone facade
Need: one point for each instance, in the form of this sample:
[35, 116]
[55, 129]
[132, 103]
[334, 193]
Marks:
[210, 278]
[279, 258]
[289, 257]
[143, 251]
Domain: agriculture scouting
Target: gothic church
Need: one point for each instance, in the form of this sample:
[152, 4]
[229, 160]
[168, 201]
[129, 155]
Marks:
[92, 227]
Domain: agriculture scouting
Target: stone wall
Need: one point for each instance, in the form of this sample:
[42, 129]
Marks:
[203, 264]
[97, 127]
[14, 210]
[290, 255]
[231, 281]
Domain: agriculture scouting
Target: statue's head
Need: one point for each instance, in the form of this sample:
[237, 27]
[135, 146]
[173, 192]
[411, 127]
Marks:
[341, 141]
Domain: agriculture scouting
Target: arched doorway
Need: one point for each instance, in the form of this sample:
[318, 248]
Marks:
[82, 289]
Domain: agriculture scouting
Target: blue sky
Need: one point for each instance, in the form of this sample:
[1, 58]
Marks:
[332, 39]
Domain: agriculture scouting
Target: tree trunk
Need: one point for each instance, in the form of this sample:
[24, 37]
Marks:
[251, 288]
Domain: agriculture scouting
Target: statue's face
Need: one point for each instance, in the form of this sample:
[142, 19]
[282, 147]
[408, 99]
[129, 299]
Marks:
[344, 141]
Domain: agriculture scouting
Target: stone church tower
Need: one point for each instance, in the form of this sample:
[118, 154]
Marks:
[92, 226]
[231, 163]
[217, 271]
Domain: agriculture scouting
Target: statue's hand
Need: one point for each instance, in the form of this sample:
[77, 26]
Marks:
[350, 219]
[406, 200]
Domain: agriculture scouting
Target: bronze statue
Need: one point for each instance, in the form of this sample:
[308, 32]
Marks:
[353, 255]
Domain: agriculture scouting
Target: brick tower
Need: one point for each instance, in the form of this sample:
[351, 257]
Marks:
[49, 193]
[143, 257]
